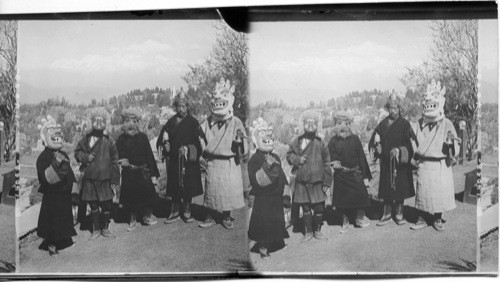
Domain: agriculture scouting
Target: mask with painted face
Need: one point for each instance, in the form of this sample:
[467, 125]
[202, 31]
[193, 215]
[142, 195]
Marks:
[311, 122]
[223, 100]
[262, 135]
[51, 133]
[342, 126]
[98, 119]
[434, 100]
[131, 119]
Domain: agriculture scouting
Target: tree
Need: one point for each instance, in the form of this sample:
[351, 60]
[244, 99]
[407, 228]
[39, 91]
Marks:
[453, 60]
[228, 60]
[8, 72]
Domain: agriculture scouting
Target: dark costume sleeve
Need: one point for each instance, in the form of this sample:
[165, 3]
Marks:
[120, 147]
[195, 146]
[262, 176]
[115, 169]
[159, 140]
[291, 156]
[80, 155]
[363, 163]
[327, 175]
[46, 161]
[371, 143]
[151, 162]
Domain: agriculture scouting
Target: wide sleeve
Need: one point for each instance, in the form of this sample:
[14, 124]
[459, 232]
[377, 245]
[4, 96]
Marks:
[261, 174]
[325, 155]
[371, 143]
[150, 158]
[406, 151]
[120, 147]
[42, 163]
[80, 155]
[454, 147]
[50, 172]
[194, 146]
[243, 147]
[291, 156]
[115, 169]
[159, 141]
[363, 163]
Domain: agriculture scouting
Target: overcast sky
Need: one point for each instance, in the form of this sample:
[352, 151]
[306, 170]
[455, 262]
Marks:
[300, 62]
[120, 55]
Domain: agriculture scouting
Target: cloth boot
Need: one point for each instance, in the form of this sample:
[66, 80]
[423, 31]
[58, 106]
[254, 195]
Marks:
[361, 220]
[399, 214]
[132, 221]
[317, 223]
[386, 217]
[105, 219]
[187, 212]
[174, 213]
[96, 232]
[148, 218]
[308, 229]
[438, 222]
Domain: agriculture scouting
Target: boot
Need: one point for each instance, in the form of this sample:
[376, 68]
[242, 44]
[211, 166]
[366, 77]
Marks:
[295, 218]
[174, 213]
[53, 250]
[345, 224]
[308, 232]
[399, 215]
[386, 217]
[421, 223]
[187, 213]
[149, 218]
[105, 218]
[132, 222]
[317, 223]
[96, 232]
[361, 220]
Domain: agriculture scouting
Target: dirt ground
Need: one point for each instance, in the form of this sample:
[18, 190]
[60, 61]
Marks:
[390, 248]
[178, 247]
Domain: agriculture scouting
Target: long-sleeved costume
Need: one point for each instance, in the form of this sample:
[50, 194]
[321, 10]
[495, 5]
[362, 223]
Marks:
[397, 134]
[435, 187]
[314, 173]
[267, 222]
[137, 189]
[186, 132]
[224, 183]
[349, 190]
[103, 171]
[55, 221]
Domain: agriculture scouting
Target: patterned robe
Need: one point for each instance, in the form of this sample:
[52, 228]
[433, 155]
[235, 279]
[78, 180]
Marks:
[435, 188]
[224, 183]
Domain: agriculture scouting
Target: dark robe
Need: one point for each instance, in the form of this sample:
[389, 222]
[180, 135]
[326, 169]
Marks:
[137, 189]
[396, 135]
[349, 190]
[103, 169]
[55, 221]
[187, 133]
[267, 222]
